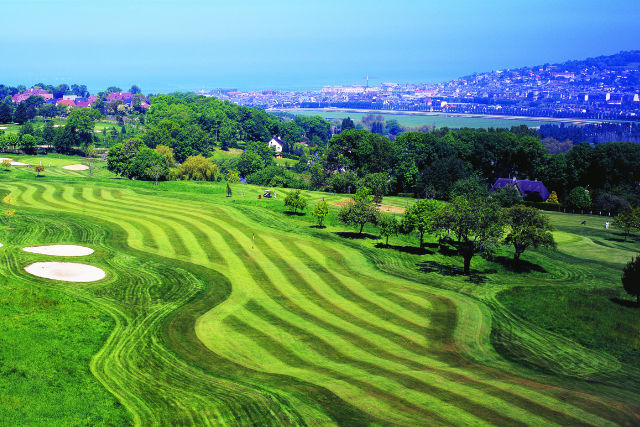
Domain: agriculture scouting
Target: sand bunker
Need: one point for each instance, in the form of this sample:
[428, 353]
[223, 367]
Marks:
[60, 250]
[65, 271]
[3, 127]
[13, 162]
[76, 167]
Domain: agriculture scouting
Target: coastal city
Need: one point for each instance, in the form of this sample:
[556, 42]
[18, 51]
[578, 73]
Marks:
[603, 88]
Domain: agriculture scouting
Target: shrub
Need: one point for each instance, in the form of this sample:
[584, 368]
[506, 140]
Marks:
[199, 168]
[295, 201]
[579, 199]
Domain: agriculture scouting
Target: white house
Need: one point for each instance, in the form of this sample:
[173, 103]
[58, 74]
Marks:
[276, 143]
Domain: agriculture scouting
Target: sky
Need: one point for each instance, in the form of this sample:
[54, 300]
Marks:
[164, 46]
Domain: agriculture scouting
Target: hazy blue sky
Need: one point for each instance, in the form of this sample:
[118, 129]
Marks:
[190, 44]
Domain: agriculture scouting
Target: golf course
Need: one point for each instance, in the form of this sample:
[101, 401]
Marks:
[230, 311]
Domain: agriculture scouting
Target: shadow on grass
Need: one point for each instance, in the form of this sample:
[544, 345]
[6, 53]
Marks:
[406, 249]
[625, 302]
[521, 267]
[290, 213]
[354, 235]
[319, 227]
[449, 270]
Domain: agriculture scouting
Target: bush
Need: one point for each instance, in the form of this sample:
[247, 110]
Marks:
[579, 199]
[295, 201]
[276, 176]
[199, 168]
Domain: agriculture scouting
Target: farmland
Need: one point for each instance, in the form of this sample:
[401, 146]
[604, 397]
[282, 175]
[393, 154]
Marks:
[196, 324]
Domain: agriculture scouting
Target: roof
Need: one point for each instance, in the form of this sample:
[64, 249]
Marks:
[66, 102]
[528, 189]
[276, 140]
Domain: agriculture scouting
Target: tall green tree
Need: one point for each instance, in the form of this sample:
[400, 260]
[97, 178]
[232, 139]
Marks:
[527, 227]
[477, 226]
[295, 200]
[388, 226]
[628, 221]
[360, 211]
[320, 211]
[421, 217]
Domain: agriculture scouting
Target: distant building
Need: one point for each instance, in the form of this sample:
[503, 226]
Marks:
[19, 97]
[276, 143]
[533, 191]
[69, 97]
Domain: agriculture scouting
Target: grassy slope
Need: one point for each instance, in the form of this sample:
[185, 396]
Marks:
[305, 328]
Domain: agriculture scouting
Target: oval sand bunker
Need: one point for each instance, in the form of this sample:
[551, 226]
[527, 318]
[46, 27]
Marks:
[59, 250]
[66, 271]
[76, 167]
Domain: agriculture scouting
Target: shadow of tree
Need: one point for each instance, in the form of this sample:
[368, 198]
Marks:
[449, 270]
[355, 235]
[625, 302]
[521, 267]
[290, 213]
[319, 227]
[406, 249]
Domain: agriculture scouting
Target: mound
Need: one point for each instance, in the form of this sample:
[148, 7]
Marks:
[76, 167]
[65, 271]
[59, 250]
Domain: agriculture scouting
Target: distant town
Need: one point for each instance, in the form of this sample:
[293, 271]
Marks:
[603, 88]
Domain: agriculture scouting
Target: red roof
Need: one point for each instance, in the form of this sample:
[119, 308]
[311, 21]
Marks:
[83, 104]
[66, 102]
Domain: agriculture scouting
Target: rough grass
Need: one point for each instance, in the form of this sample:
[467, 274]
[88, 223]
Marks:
[305, 327]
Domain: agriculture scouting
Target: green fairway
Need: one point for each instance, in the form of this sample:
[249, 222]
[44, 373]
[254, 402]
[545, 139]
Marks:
[197, 324]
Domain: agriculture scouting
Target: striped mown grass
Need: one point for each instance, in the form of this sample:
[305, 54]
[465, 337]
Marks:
[304, 328]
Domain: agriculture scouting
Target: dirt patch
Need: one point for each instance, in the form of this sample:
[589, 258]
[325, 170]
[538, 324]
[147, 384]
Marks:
[59, 250]
[382, 207]
[392, 209]
[76, 167]
[66, 271]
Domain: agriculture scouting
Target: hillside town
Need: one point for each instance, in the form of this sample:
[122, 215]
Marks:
[605, 88]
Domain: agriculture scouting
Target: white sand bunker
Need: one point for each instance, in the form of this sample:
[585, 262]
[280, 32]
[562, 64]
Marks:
[60, 250]
[13, 162]
[76, 167]
[66, 271]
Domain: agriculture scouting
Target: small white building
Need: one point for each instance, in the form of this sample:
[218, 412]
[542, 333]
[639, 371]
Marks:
[276, 143]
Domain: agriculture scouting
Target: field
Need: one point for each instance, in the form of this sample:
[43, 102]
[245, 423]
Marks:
[417, 120]
[197, 324]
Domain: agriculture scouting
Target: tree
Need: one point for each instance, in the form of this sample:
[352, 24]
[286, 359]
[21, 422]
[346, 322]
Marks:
[553, 198]
[628, 220]
[421, 217]
[360, 211]
[378, 183]
[229, 192]
[28, 143]
[507, 196]
[249, 163]
[233, 176]
[39, 169]
[579, 199]
[199, 168]
[320, 211]
[90, 154]
[167, 152]
[631, 278]
[120, 155]
[81, 122]
[295, 201]
[347, 123]
[135, 89]
[5, 113]
[389, 226]
[6, 164]
[476, 224]
[527, 227]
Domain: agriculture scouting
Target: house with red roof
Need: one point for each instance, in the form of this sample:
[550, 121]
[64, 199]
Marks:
[19, 97]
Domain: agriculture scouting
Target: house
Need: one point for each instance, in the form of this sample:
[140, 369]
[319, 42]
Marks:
[66, 102]
[120, 96]
[19, 97]
[276, 143]
[534, 191]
